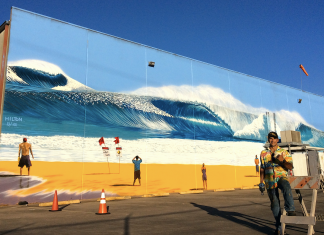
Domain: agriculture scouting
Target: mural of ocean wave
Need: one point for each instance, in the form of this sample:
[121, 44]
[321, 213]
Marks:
[52, 103]
[30, 95]
[116, 111]
[311, 135]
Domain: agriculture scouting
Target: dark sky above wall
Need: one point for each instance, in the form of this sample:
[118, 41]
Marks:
[266, 39]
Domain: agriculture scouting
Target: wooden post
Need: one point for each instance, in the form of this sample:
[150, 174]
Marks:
[301, 201]
[307, 219]
[283, 225]
[312, 212]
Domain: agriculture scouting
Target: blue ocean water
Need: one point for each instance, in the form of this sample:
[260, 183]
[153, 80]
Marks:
[30, 97]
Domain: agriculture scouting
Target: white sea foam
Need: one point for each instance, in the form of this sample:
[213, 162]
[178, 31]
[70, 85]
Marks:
[153, 150]
[253, 130]
[259, 127]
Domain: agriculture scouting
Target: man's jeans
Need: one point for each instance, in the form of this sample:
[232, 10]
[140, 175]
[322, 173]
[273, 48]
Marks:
[273, 194]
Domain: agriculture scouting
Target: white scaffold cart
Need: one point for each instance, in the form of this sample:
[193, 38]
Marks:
[307, 175]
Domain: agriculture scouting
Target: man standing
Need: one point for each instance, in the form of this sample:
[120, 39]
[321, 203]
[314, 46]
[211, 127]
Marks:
[137, 170]
[24, 149]
[275, 163]
[256, 161]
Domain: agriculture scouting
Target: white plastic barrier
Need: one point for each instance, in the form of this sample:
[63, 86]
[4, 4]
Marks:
[321, 158]
[300, 164]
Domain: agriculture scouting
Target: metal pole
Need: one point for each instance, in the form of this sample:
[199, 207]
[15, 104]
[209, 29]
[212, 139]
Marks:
[107, 161]
[301, 81]
[274, 122]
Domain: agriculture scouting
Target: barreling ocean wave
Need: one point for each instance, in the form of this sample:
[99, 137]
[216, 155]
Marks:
[41, 74]
[52, 103]
[32, 92]
[111, 110]
[204, 94]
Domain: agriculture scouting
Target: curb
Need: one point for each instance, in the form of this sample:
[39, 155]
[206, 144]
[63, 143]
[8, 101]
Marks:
[161, 194]
[130, 197]
[60, 203]
[250, 187]
[192, 192]
[224, 189]
[115, 198]
[156, 195]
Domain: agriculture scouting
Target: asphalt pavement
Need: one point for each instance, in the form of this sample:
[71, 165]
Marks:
[232, 212]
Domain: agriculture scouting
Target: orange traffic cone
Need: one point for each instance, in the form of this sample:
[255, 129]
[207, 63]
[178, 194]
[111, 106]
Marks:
[55, 203]
[103, 209]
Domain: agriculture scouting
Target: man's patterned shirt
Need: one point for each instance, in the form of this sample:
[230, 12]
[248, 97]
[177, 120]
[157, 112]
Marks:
[273, 172]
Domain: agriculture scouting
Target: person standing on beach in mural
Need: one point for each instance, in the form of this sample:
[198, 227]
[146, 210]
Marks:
[275, 163]
[24, 149]
[137, 170]
[204, 176]
[256, 161]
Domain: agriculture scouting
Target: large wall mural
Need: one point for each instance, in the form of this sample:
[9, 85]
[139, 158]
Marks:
[68, 86]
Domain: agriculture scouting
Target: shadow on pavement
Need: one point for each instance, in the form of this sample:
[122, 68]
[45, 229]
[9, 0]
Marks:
[62, 207]
[257, 224]
[126, 227]
[16, 229]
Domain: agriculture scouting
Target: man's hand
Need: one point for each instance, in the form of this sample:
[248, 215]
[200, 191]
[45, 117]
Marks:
[281, 157]
[281, 161]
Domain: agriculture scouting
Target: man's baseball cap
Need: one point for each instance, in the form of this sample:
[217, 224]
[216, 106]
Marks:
[273, 134]
[25, 139]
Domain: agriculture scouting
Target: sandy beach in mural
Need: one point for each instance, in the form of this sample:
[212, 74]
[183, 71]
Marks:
[68, 180]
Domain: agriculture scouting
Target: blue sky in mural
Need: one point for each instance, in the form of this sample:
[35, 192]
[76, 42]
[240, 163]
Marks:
[263, 39]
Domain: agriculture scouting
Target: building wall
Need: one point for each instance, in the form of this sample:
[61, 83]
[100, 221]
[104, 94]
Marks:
[2, 81]
[68, 86]
[4, 44]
